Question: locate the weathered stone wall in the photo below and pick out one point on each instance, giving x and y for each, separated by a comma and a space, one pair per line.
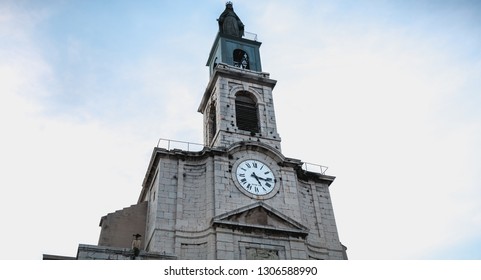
162, 213
118, 228
328, 223
222, 92
193, 189
90, 252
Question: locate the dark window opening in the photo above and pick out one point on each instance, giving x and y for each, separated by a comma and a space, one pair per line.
241, 59
212, 123
246, 113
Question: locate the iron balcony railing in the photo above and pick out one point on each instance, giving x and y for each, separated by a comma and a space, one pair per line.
312, 167
170, 144
250, 36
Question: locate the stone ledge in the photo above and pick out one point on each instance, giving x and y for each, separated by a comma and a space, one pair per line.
92, 252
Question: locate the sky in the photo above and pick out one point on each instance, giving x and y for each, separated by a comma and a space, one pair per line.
384, 93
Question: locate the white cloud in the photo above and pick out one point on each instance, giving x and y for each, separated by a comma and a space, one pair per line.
59, 177
371, 106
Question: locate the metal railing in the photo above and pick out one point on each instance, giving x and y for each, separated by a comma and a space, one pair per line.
170, 144
250, 36
312, 167
182, 145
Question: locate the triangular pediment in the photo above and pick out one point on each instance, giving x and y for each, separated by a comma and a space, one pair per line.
260, 216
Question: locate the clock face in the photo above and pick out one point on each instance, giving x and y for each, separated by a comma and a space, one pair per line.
255, 177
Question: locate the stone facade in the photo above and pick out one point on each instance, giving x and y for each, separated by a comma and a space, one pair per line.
118, 228
192, 205
196, 211
220, 94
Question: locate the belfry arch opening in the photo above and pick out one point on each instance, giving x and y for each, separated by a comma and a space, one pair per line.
246, 111
241, 59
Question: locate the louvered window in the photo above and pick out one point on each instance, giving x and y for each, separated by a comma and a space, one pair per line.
246, 113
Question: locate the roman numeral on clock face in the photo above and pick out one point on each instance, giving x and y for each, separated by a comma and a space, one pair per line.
254, 177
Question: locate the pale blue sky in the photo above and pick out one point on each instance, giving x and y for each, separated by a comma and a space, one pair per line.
385, 93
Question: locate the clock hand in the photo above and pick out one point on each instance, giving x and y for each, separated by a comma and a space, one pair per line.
257, 178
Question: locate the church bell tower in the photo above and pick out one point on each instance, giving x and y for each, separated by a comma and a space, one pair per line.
237, 104
239, 197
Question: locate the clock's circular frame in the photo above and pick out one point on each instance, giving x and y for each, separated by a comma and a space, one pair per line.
255, 178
